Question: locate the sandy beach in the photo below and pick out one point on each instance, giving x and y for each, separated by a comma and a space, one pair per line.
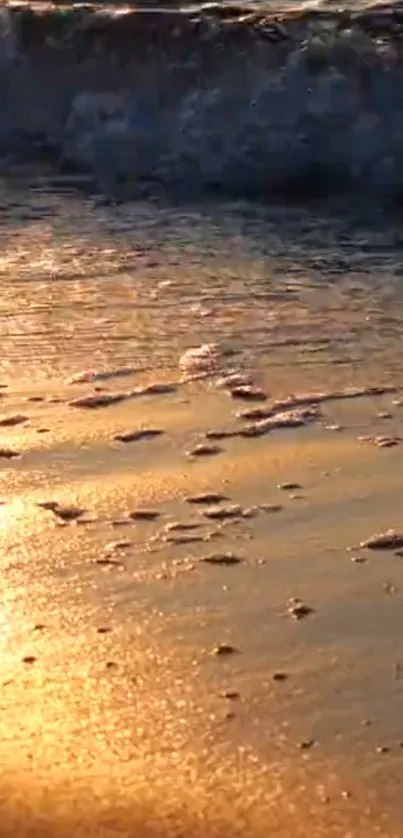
194, 643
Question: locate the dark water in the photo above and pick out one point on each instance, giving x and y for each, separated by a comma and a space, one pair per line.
303, 105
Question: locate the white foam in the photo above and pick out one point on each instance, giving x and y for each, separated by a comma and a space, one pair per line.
200, 358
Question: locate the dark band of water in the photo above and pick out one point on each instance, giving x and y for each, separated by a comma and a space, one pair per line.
225, 98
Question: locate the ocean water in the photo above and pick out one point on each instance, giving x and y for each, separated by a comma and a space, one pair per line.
302, 104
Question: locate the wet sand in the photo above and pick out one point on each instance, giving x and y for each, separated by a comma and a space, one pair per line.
223, 668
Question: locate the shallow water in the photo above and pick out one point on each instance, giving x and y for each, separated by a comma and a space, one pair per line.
127, 730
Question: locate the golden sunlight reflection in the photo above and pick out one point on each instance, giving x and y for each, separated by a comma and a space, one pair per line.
7, 627
5, 515
18, 519
193, 644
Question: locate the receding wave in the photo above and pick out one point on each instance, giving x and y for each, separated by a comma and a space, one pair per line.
230, 99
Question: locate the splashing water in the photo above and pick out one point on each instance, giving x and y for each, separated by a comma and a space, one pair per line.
309, 103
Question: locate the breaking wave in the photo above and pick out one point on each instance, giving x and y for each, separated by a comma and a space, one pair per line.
301, 103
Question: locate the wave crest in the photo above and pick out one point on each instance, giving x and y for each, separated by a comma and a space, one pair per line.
304, 102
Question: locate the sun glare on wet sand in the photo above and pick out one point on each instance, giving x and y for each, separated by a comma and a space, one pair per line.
196, 640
